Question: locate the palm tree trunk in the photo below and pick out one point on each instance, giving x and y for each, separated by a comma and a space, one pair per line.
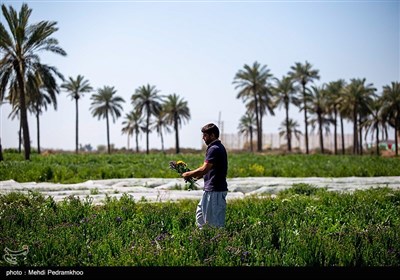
335, 132
38, 130
251, 139
396, 125
137, 141
305, 118
321, 136
147, 131
108, 134
20, 136
355, 131
377, 141
360, 146
1, 151
288, 134
76, 127
24, 117
177, 150
162, 142
261, 131
257, 122
306, 130
342, 132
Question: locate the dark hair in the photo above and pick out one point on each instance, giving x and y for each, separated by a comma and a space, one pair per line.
211, 129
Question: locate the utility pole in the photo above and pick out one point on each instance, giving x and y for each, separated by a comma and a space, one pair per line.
220, 125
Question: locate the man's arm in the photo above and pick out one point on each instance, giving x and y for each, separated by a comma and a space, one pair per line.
199, 172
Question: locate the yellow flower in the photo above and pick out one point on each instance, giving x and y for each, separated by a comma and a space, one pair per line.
181, 167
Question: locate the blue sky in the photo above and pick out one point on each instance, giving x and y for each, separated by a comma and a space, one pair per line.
194, 49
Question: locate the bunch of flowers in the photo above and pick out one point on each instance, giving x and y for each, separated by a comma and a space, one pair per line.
181, 167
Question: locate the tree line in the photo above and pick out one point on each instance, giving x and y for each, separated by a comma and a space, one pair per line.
30, 86
330, 104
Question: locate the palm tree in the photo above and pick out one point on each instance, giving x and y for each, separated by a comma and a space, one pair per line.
177, 112
391, 101
21, 60
105, 103
146, 100
376, 121
319, 107
41, 99
133, 124
266, 104
290, 126
303, 74
40, 91
160, 123
333, 91
354, 100
76, 88
284, 96
247, 126
252, 81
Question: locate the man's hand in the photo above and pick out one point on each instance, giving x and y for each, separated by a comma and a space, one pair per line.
187, 175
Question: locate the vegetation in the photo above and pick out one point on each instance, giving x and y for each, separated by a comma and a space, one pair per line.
324, 106
21, 72
105, 103
73, 168
300, 227
76, 89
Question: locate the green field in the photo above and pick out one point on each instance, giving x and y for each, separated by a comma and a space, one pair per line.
72, 168
300, 227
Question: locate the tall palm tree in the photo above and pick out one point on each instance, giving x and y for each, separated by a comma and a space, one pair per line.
391, 101
266, 104
247, 126
177, 112
252, 82
284, 93
304, 74
105, 103
376, 121
133, 124
333, 91
41, 90
20, 60
40, 101
146, 100
319, 108
290, 126
354, 100
76, 89
160, 123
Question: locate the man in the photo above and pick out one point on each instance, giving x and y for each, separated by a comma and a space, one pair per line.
211, 209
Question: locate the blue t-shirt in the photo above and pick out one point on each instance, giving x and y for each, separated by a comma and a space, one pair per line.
215, 178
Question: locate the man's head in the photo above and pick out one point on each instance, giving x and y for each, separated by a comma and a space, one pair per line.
210, 133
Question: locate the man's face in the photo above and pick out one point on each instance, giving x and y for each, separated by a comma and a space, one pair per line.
207, 138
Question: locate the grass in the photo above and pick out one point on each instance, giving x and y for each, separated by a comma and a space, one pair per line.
301, 227
72, 168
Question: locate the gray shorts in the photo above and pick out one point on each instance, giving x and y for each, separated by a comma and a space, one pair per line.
211, 209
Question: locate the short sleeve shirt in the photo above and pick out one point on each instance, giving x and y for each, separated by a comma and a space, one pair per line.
215, 178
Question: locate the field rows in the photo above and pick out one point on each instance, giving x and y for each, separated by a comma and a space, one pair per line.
166, 189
